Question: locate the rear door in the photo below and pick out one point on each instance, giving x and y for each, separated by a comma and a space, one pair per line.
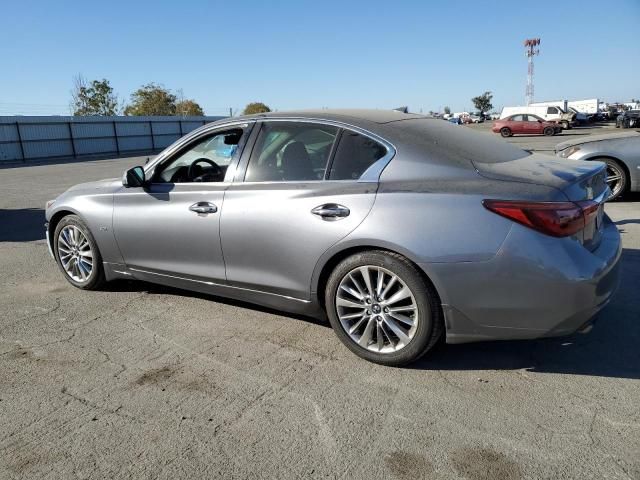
306, 185
518, 124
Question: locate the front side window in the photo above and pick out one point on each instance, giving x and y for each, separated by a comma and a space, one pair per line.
291, 152
552, 110
354, 154
206, 160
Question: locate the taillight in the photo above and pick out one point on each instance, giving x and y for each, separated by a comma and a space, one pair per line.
558, 219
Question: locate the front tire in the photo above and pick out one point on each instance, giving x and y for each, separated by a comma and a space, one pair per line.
77, 254
382, 308
505, 132
617, 177
548, 131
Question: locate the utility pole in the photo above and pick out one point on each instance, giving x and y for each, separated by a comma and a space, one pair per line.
530, 50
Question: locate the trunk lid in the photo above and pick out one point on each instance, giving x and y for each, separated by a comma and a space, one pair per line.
577, 180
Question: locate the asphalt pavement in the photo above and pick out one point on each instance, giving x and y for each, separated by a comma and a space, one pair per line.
141, 381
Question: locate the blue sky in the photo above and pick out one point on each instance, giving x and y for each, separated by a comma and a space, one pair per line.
308, 54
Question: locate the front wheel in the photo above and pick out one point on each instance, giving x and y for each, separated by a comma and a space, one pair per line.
382, 308
616, 177
549, 131
565, 126
77, 254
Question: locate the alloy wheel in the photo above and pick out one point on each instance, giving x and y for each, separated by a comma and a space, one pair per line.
74, 251
615, 179
377, 309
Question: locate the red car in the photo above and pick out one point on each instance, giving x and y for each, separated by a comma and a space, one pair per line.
525, 123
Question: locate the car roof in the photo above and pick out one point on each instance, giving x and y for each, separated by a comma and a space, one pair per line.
343, 115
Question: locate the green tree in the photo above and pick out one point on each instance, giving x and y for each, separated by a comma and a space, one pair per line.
256, 107
151, 100
186, 108
94, 98
483, 102
447, 110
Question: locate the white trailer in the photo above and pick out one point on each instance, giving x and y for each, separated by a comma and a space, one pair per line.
589, 106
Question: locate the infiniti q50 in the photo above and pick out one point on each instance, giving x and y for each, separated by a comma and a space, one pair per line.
400, 229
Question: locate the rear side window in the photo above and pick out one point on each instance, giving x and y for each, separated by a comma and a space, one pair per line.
291, 152
354, 154
517, 118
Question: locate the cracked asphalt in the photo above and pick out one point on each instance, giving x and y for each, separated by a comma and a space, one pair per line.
141, 381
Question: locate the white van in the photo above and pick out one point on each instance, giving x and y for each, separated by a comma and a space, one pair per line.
550, 113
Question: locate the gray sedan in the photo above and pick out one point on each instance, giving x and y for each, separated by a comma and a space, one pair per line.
621, 153
400, 229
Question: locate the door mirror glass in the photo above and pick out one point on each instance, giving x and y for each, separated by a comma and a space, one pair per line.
134, 177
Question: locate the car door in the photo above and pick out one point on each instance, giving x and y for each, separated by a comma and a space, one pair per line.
171, 227
517, 124
306, 186
530, 124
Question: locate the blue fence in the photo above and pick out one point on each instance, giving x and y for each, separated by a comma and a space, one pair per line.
35, 138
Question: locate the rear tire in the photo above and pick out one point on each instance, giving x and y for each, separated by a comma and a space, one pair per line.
548, 131
77, 255
366, 318
505, 132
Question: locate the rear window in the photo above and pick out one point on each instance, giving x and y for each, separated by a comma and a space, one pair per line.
355, 153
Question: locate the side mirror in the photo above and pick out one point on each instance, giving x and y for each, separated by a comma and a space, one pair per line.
134, 177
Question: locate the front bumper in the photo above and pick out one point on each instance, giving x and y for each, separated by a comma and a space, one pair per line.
46, 232
536, 286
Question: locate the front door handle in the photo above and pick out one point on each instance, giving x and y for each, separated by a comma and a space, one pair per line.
203, 208
331, 211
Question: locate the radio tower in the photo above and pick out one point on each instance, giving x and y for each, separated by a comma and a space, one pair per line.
530, 50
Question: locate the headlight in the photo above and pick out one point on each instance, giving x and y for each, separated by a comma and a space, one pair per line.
567, 152
49, 204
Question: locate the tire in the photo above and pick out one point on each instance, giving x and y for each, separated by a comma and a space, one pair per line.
505, 132
73, 249
422, 308
620, 187
565, 126
548, 131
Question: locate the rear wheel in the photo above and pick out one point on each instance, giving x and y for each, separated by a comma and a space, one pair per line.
382, 308
548, 131
505, 132
77, 254
617, 177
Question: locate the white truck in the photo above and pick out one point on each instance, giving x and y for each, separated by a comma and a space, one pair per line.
550, 113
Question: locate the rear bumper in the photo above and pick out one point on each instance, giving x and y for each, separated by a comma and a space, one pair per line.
536, 286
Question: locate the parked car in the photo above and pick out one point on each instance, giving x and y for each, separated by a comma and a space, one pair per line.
621, 153
548, 113
400, 228
628, 119
476, 118
455, 120
525, 124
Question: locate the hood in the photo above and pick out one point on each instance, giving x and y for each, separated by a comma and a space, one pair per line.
595, 138
108, 185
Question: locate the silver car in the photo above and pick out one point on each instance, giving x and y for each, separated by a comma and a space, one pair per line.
621, 153
399, 228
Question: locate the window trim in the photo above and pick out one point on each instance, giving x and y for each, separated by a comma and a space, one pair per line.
370, 175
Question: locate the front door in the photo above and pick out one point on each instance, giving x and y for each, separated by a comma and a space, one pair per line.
302, 193
171, 228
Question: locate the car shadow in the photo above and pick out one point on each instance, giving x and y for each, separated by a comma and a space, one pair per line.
610, 349
123, 285
22, 225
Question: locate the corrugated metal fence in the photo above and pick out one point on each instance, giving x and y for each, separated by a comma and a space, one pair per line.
30, 138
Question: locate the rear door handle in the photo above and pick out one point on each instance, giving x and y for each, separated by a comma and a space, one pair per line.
331, 211
203, 208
